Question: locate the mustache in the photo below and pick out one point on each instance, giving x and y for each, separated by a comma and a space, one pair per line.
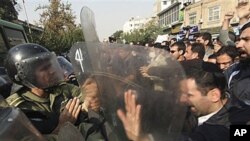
241, 51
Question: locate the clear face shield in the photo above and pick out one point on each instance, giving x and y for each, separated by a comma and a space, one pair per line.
66, 66
117, 68
41, 71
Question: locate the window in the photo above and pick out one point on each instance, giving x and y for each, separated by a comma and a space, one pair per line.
137, 25
171, 16
172, 1
164, 2
15, 37
214, 13
2, 45
192, 18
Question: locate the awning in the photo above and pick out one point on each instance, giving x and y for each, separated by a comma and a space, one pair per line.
176, 29
212, 30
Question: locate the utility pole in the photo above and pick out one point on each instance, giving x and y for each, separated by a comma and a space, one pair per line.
27, 19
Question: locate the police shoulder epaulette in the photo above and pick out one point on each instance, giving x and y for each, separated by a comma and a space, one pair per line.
15, 100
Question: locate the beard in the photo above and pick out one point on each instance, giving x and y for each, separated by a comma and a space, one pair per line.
243, 55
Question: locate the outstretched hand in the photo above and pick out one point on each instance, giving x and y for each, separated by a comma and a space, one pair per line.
131, 119
69, 114
71, 111
144, 71
92, 100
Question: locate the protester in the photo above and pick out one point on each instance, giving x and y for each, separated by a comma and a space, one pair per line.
205, 38
177, 50
226, 56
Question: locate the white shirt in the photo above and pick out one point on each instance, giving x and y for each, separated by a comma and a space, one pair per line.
203, 119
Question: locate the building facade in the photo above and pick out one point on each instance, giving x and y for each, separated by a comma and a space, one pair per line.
208, 15
135, 23
171, 17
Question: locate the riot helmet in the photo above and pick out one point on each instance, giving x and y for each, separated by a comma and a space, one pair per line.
66, 66
33, 66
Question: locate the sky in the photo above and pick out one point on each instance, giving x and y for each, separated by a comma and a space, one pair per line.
110, 15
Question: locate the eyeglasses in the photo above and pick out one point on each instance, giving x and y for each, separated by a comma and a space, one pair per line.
173, 51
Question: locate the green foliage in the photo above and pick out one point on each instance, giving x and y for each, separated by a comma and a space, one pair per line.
117, 34
60, 31
144, 35
7, 10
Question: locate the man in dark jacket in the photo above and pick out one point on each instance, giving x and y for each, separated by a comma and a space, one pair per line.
238, 75
207, 96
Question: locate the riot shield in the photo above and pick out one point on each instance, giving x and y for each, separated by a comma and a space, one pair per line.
5, 83
69, 133
150, 72
88, 25
16, 127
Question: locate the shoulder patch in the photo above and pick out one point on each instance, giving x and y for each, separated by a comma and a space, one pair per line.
15, 100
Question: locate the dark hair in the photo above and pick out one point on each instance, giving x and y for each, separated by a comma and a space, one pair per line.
206, 36
247, 25
231, 51
174, 39
212, 56
198, 48
206, 75
181, 46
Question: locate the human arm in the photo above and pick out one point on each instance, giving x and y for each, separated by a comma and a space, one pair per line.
224, 35
92, 97
69, 114
131, 118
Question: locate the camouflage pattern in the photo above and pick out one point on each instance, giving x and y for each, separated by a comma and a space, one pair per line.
49, 110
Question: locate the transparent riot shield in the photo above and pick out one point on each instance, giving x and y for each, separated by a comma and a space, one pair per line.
16, 127
69, 133
88, 25
150, 72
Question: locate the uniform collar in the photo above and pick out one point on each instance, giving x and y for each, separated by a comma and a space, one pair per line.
29, 96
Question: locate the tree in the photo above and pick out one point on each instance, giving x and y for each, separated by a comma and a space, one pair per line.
143, 35
7, 10
60, 31
117, 34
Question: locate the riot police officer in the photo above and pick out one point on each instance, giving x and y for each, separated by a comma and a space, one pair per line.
47, 100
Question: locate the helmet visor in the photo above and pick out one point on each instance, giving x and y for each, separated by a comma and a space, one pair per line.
42, 71
66, 66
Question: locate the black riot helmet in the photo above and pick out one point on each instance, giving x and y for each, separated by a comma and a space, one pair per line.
33, 66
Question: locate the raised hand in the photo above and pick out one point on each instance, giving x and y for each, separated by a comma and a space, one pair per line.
92, 100
144, 71
70, 113
228, 16
131, 119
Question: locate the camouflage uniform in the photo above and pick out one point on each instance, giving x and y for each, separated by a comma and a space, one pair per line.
44, 112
